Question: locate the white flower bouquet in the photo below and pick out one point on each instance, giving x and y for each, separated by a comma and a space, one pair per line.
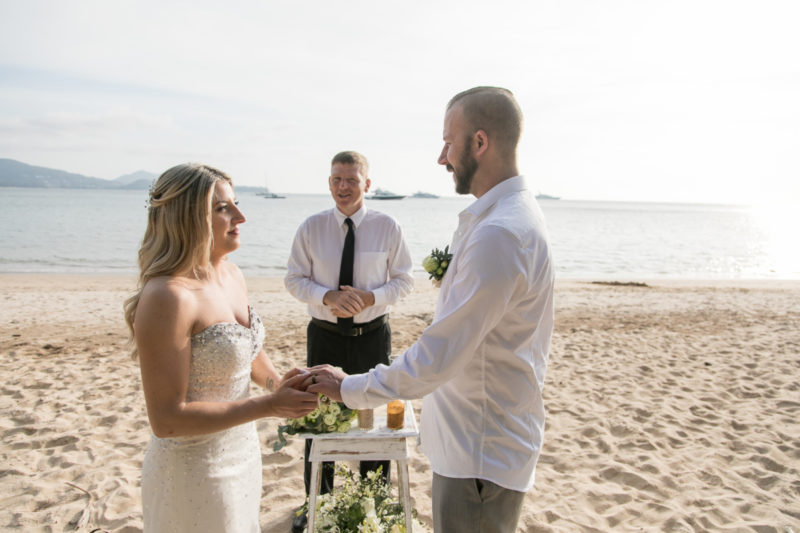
437, 262
328, 417
363, 505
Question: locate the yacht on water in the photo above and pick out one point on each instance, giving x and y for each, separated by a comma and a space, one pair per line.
420, 194
381, 194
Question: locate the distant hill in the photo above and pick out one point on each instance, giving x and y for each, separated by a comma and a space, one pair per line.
17, 174
138, 176
141, 185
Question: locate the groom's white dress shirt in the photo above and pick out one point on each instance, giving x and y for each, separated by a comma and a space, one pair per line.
382, 262
480, 366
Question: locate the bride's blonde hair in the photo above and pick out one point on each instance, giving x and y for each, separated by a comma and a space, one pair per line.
178, 238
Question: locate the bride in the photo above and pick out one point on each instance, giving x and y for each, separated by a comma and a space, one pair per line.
199, 345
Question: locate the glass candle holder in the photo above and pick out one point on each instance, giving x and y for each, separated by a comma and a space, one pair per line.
365, 418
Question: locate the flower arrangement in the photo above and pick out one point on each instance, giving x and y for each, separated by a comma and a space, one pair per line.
328, 417
437, 262
363, 505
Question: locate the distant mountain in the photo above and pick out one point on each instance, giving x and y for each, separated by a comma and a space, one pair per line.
140, 185
139, 175
16, 174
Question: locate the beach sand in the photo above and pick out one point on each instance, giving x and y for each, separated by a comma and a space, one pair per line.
672, 407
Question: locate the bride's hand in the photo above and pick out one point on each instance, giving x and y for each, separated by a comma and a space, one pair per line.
300, 384
289, 402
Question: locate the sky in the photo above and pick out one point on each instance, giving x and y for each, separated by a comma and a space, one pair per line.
641, 100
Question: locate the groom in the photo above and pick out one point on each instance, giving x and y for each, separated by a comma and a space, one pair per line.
480, 366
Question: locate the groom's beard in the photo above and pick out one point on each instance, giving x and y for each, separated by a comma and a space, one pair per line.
468, 165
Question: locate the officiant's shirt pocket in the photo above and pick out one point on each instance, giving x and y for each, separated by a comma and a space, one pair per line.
370, 269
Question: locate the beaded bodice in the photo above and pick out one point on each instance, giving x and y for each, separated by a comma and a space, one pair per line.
222, 355
211, 482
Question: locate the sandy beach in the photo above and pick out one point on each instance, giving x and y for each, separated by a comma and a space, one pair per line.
672, 407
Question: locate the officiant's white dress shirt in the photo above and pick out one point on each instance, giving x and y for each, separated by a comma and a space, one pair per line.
480, 365
381, 264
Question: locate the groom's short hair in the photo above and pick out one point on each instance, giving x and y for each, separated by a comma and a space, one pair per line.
493, 110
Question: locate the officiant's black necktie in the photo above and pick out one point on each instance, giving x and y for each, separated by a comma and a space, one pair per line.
346, 270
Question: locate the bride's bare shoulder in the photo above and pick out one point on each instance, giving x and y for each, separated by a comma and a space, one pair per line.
169, 293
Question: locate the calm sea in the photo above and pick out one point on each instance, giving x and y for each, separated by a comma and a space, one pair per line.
98, 231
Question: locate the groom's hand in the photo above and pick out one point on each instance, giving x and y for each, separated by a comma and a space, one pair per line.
327, 380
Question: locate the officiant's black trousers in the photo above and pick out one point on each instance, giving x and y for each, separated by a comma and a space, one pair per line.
355, 355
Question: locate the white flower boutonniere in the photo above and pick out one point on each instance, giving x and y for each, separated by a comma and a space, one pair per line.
436, 264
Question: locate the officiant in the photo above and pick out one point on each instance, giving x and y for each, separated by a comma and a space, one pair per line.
349, 264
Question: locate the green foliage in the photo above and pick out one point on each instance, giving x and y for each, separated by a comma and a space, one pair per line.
328, 417
437, 262
359, 504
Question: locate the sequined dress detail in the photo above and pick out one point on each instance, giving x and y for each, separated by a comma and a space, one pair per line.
209, 483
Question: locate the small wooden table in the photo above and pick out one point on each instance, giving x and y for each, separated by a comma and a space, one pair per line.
377, 444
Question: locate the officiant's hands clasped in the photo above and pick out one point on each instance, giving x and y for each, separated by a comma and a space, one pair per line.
348, 301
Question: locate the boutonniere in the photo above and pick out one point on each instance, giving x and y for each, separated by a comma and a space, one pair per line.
436, 264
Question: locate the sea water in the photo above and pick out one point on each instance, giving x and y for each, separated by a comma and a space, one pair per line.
99, 231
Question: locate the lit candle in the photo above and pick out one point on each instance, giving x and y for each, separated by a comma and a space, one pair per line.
395, 413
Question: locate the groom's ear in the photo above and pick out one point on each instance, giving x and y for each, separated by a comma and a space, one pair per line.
481, 141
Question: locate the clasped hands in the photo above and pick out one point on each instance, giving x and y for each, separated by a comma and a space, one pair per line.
294, 396
297, 392
348, 301
320, 379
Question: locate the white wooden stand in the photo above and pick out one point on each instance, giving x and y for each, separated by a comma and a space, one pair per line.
376, 444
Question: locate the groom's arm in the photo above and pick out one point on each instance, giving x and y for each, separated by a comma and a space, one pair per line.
492, 269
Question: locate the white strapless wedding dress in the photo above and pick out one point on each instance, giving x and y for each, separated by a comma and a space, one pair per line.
209, 483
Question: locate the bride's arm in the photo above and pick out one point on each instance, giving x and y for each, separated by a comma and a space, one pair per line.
263, 372
162, 330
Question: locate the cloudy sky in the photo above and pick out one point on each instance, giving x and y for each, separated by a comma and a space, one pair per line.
647, 100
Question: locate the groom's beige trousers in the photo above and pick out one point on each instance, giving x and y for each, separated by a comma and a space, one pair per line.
474, 506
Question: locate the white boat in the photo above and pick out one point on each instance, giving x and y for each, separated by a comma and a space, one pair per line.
381, 194
420, 194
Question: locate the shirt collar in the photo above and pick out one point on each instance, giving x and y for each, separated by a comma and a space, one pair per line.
356, 217
504, 188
